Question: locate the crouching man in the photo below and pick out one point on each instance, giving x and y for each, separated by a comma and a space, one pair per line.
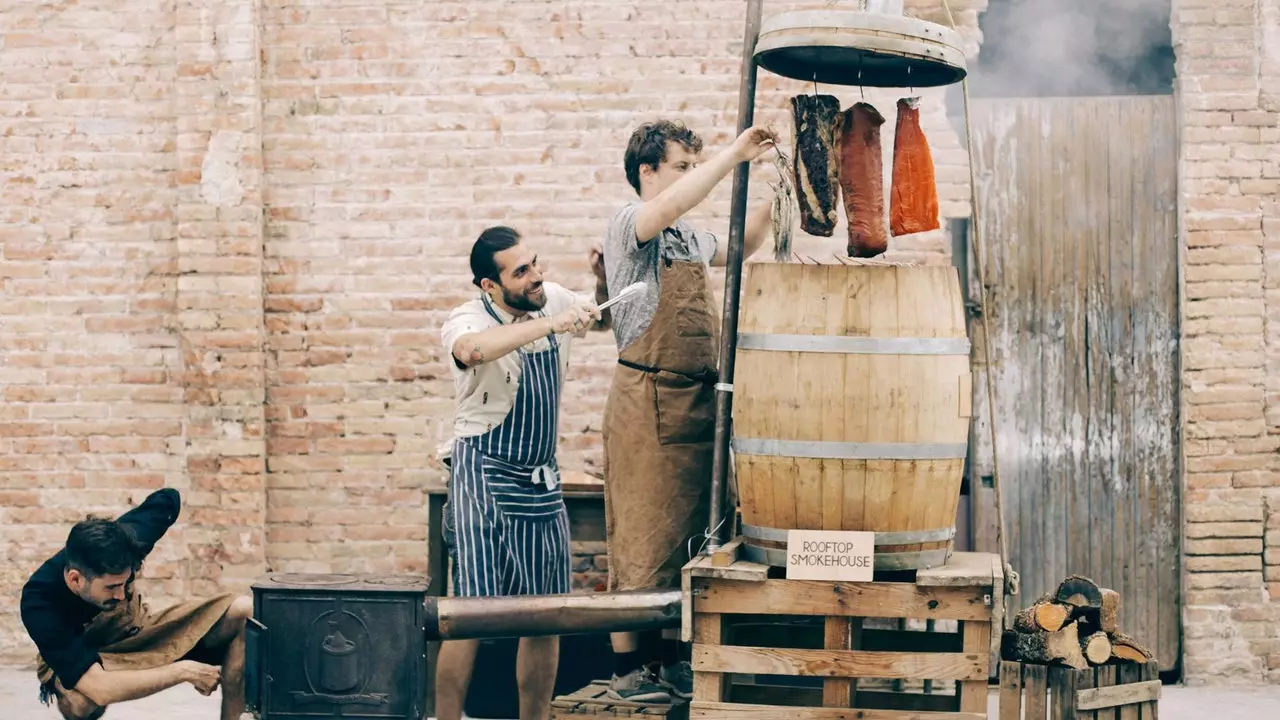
98, 641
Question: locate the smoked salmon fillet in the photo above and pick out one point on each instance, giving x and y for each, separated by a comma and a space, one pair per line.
862, 180
913, 199
816, 162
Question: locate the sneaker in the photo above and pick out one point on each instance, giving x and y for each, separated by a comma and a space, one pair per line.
638, 686
678, 679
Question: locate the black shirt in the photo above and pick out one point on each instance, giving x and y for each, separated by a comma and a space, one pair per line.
55, 617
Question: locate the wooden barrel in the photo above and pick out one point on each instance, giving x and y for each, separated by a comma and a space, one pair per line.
851, 407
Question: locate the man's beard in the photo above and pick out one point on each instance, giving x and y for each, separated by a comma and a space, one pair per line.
523, 303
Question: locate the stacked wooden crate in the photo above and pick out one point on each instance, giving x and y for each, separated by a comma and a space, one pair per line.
822, 683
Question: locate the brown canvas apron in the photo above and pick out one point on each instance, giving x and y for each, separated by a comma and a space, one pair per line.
130, 637
659, 428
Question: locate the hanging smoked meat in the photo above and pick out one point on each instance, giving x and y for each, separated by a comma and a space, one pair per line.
816, 162
913, 200
862, 180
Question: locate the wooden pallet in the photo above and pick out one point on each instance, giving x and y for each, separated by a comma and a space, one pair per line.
820, 659
592, 701
1110, 692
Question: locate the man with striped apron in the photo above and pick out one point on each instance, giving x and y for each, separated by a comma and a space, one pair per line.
506, 522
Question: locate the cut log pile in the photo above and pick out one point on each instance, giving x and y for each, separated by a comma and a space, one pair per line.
1078, 626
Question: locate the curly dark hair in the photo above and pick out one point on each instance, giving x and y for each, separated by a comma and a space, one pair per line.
99, 546
648, 146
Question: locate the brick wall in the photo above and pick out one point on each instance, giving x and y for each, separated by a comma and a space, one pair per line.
231, 231
1229, 84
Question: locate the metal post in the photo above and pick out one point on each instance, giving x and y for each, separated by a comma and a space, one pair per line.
732, 282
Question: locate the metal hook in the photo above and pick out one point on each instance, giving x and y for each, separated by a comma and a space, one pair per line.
815, 82
910, 88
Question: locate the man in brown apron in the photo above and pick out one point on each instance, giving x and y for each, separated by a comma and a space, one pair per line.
99, 644
660, 416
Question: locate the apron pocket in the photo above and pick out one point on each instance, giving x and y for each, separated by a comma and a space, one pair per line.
693, 320
685, 409
514, 495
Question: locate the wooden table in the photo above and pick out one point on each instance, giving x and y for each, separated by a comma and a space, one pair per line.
584, 498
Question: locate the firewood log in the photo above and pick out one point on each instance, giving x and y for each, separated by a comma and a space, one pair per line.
1096, 648
1080, 592
1044, 614
1109, 613
1126, 649
1045, 648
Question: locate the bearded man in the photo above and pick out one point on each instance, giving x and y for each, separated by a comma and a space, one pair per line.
506, 523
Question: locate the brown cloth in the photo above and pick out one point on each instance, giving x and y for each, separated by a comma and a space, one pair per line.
130, 637
659, 432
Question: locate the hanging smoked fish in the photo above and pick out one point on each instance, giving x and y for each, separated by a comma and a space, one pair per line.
913, 201
784, 207
816, 157
862, 180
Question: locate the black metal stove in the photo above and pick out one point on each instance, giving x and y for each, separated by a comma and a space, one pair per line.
337, 646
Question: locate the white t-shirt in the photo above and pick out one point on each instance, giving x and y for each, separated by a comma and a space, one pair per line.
484, 394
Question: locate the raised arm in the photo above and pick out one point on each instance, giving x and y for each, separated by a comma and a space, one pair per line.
692, 188
477, 348
758, 227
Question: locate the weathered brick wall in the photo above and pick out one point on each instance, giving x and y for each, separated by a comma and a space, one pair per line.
1229, 82
231, 231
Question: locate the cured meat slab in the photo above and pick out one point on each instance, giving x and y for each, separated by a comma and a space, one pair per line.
862, 180
816, 161
913, 199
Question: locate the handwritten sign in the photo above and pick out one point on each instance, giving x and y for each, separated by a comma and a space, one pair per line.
842, 556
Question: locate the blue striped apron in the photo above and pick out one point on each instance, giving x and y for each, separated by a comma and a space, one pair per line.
510, 529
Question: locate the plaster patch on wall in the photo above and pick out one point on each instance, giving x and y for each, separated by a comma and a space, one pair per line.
220, 172
1269, 52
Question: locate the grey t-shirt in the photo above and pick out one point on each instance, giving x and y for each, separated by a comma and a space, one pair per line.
626, 262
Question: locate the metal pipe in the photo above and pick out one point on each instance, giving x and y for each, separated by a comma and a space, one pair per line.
732, 283
472, 618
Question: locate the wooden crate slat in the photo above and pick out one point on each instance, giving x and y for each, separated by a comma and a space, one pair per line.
735, 711
1035, 680
1126, 674
1010, 691
839, 663
812, 597
1149, 672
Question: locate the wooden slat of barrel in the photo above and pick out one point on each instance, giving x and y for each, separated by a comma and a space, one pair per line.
906, 400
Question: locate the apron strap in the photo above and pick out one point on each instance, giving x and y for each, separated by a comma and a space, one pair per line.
706, 376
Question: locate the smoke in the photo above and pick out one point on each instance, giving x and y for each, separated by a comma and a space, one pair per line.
1042, 48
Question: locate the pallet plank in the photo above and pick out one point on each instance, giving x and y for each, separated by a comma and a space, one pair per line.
812, 597
716, 711
977, 643
838, 691
711, 686
839, 663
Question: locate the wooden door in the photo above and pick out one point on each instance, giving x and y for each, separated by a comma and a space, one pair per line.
1077, 208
